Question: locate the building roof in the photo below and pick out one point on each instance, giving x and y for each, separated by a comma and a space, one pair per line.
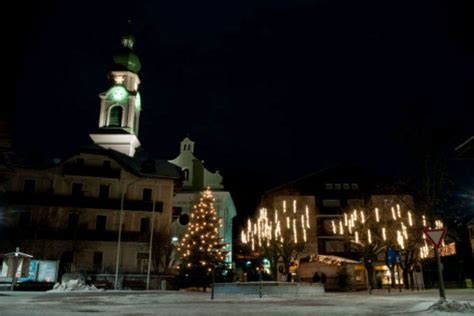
331, 259
466, 149
308, 184
141, 164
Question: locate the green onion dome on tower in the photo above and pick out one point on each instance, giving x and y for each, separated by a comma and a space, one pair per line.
125, 57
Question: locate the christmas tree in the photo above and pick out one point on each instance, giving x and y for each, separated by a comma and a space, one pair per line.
200, 249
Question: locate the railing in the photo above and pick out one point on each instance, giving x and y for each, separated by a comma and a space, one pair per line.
87, 269
35, 233
48, 199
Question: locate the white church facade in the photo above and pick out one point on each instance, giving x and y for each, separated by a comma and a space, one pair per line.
196, 179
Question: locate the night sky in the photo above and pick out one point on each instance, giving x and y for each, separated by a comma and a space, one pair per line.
268, 90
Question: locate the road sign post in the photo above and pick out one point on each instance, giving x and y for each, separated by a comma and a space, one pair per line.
436, 236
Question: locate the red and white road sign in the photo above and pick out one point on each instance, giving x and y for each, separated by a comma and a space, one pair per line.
436, 235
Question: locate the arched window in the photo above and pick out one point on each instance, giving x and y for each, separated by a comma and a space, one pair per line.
115, 116
186, 174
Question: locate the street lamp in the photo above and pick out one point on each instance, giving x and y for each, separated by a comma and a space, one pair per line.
124, 189
151, 240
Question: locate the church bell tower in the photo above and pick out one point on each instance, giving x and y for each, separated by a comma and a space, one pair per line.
120, 105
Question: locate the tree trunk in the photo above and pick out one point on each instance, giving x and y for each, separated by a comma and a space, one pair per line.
406, 283
412, 279
392, 276
370, 277
274, 268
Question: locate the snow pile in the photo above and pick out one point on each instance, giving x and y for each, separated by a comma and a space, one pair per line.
452, 306
74, 286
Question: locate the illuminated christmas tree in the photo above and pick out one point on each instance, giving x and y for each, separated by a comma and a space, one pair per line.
200, 249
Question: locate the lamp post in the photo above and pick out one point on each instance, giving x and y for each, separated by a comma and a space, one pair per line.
117, 261
151, 240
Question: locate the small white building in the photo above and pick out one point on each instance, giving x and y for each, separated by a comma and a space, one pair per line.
196, 179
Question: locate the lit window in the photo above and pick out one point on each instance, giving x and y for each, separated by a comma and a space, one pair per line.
355, 186
328, 186
346, 186
337, 186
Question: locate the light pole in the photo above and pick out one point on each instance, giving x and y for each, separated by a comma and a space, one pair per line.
124, 189
151, 240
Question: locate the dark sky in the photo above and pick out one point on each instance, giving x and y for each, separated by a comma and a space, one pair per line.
269, 90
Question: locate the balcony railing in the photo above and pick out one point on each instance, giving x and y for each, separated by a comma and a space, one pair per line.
34, 232
54, 200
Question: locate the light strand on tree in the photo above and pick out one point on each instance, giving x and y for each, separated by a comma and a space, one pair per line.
294, 231
263, 230
404, 233
307, 217
197, 248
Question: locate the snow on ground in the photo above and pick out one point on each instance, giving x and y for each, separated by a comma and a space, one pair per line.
197, 303
74, 286
452, 306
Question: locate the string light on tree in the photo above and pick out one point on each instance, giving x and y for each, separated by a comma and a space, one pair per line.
402, 228
280, 236
201, 249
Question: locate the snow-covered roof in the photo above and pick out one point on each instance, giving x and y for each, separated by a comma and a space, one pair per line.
331, 259
18, 254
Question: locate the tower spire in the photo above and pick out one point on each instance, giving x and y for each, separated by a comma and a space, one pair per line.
128, 40
121, 103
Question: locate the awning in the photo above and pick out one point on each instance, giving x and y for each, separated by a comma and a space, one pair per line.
334, 260
17, 254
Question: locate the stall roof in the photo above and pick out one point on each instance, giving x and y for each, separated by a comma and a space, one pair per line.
330, 259
17, 254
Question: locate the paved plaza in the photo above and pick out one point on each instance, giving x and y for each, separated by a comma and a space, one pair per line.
198, 303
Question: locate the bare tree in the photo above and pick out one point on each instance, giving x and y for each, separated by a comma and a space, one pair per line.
278, 235
373, 228
163, 250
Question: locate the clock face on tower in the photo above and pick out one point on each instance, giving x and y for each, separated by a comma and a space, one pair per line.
117, 93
